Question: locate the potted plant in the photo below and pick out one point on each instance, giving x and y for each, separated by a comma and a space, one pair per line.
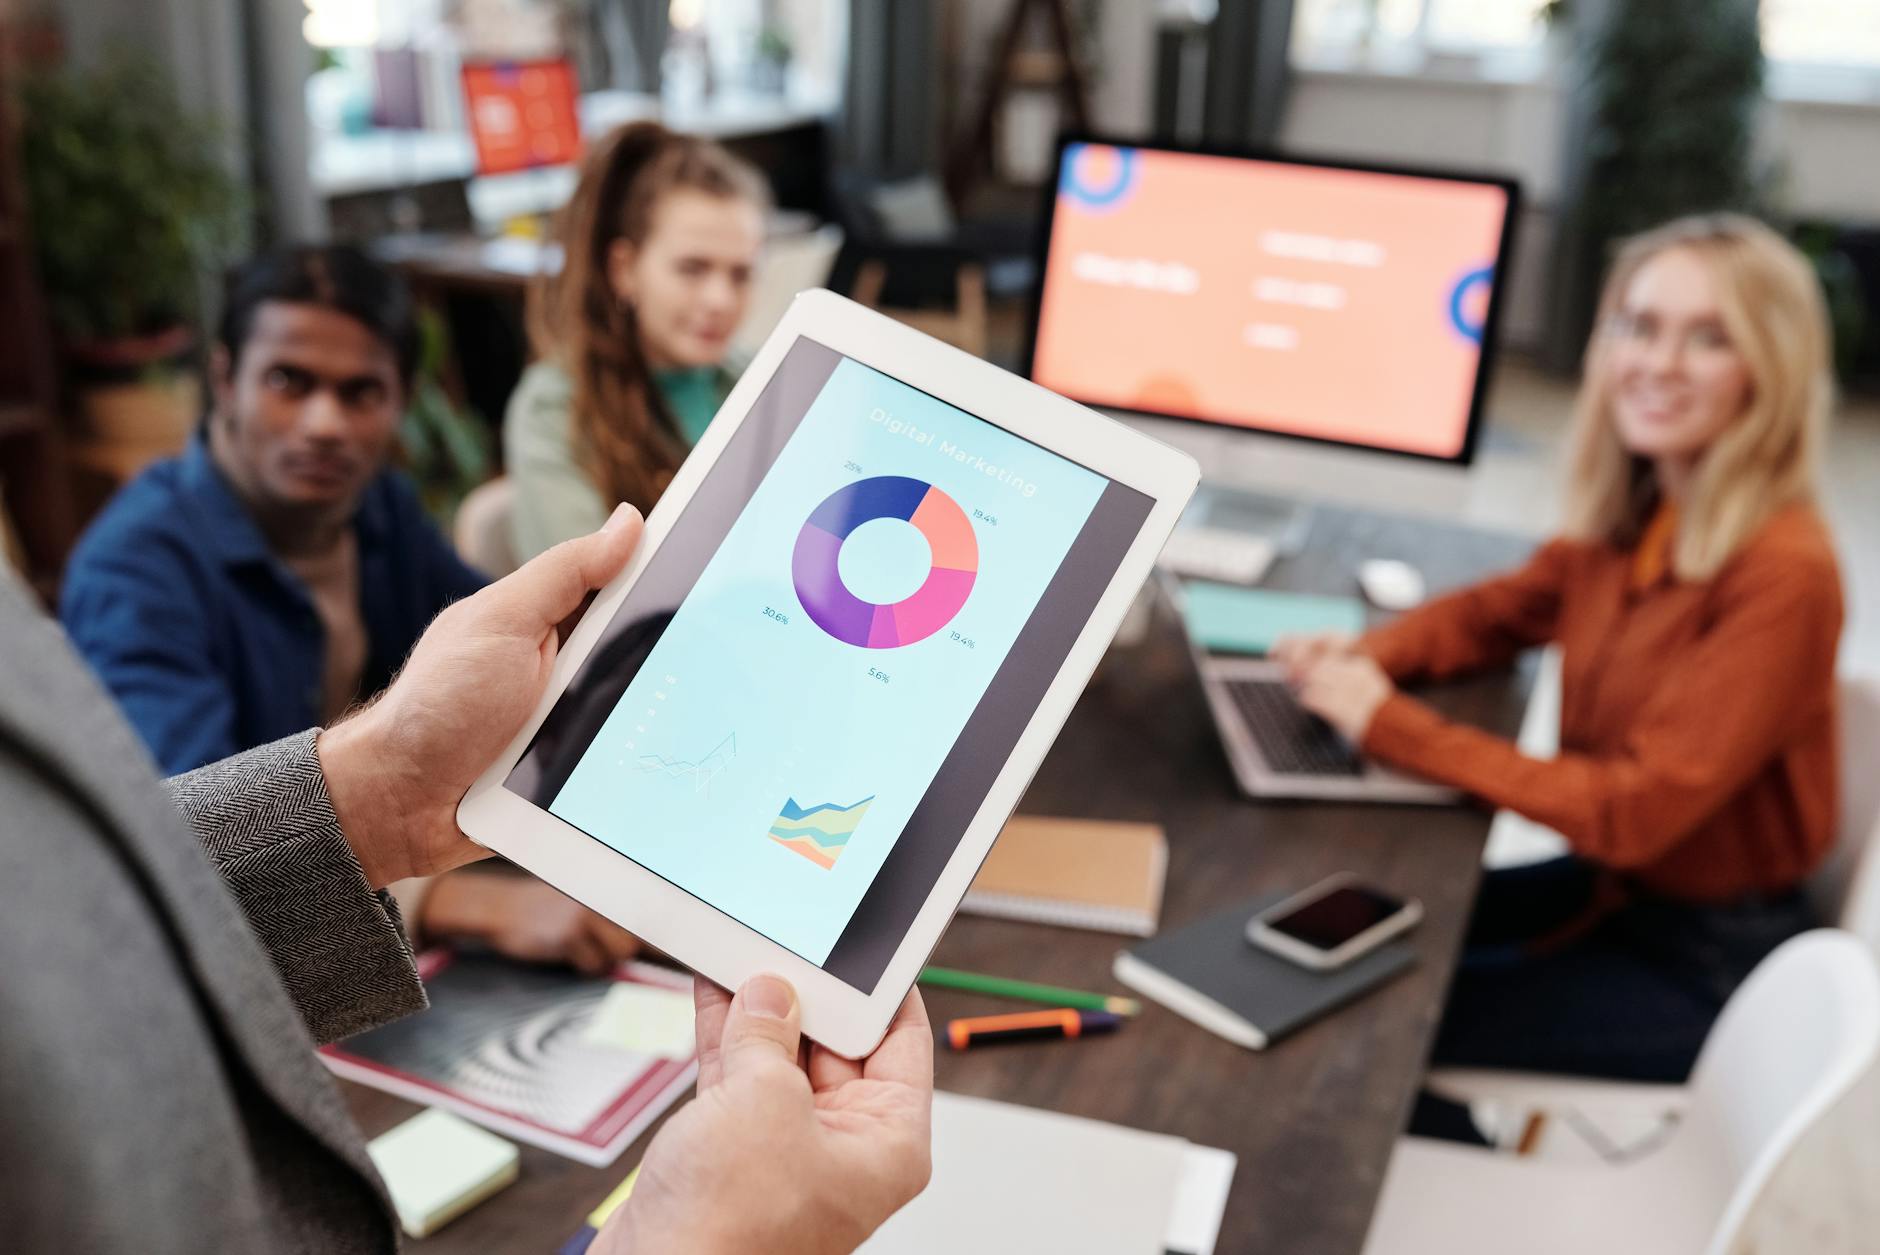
1669, 92
134, 214
770, 64
444, 447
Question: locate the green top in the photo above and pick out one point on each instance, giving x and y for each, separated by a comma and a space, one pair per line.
554, 499
692, 398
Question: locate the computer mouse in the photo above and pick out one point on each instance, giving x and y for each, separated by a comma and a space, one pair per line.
1389, 584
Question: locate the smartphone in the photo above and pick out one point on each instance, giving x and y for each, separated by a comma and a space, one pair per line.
1335, 921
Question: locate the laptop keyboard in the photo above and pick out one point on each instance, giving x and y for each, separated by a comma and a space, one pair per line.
1292, 739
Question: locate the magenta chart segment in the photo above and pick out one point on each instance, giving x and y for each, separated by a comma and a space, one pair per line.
876, 625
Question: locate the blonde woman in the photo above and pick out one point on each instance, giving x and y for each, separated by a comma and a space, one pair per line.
660, 242
1697, 602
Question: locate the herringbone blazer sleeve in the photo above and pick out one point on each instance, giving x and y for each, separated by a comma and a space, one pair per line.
265, 820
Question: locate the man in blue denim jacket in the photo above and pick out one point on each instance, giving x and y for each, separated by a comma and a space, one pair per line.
278, 571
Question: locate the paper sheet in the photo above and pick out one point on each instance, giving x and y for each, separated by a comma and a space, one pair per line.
1010, 1178
1200, 1200
644, 1020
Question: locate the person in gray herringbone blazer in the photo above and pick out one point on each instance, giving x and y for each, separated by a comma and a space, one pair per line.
158, 1087
158, 1009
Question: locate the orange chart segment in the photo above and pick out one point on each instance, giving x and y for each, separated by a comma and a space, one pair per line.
948, 531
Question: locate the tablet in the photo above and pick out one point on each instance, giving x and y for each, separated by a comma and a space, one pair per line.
785, 737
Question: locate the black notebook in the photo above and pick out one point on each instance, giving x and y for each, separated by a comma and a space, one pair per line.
1211, 974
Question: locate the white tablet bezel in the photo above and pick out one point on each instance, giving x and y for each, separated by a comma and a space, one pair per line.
848, 1020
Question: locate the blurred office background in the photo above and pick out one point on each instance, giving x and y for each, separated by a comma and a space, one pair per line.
145, 144
925, 121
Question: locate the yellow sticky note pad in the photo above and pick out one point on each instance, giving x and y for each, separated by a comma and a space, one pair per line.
644, 1019
611, 1203
437, 1166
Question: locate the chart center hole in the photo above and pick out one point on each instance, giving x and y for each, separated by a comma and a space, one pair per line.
884, 561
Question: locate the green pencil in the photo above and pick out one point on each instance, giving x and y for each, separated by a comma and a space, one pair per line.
1025, 991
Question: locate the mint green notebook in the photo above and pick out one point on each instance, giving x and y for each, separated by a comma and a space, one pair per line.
1226, 619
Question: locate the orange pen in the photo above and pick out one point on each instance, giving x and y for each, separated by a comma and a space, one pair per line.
1029, 1026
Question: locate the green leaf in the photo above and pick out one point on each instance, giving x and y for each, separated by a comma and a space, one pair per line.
133, 211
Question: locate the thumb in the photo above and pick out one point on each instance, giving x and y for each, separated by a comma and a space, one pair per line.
765, 1023
551, 586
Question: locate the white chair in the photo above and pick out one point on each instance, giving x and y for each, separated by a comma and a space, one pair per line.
791, 264
481, 529
1846, 891
1796, 1038
1514, 839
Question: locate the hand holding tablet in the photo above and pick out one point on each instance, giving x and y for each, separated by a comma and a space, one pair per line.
397, 768
786, 736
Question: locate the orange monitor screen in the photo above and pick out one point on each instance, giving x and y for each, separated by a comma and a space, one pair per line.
1310, 300
522, 115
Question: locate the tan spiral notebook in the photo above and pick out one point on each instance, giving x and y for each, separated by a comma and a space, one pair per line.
1078, 873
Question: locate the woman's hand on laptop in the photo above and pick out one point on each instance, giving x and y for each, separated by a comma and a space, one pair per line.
397, 768
785, 1151
1300, 652
1345, 690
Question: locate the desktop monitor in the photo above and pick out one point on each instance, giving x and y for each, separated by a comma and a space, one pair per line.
522, 115
1340, 309
525, 122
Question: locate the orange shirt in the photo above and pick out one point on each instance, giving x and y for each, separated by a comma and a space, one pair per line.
1697, 727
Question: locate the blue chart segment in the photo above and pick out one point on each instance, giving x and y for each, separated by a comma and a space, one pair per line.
834, 608
819, 833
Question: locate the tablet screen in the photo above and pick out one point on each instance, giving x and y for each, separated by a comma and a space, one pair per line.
805, 697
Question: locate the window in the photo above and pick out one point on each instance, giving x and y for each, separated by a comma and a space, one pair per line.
1499, 24
1407, 32
1822, 32
787, 48
1826, 46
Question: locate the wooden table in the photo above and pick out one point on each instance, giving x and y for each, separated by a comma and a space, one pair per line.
1313, 1119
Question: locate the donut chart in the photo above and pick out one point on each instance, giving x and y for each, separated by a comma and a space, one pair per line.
877, 625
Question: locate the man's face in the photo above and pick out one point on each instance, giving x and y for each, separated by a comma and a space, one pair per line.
305, 416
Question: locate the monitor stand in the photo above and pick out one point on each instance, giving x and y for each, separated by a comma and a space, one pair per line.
1283, 522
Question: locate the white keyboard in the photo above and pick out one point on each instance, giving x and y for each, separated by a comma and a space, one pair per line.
1211, 553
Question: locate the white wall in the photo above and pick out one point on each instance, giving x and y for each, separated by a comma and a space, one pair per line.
1829, 153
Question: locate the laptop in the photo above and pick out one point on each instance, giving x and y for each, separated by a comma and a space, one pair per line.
1279, 749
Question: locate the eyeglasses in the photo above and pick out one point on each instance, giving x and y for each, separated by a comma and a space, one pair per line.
1649, 331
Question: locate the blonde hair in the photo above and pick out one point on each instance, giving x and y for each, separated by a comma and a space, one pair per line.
1776, 319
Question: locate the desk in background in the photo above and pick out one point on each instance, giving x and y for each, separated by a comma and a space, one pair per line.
1313, 1119
362, 177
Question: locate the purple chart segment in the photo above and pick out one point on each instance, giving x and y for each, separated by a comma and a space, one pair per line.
826, 599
